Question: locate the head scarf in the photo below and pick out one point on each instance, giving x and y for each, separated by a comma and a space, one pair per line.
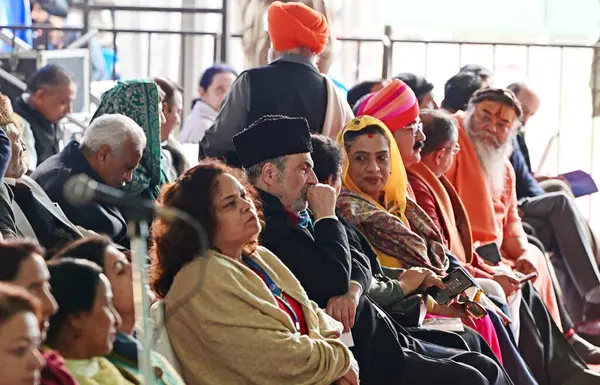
394, 197
395, 105
400, 231
295, 25
139, 100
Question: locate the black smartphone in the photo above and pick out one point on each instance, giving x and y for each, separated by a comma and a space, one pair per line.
456, 282
525, 278
490, 253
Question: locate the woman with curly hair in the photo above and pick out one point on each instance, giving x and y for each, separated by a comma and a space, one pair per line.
236, 314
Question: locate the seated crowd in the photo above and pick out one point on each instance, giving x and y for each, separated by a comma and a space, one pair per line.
330, 226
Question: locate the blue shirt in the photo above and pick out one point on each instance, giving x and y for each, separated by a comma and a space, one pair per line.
527, 186
16, 12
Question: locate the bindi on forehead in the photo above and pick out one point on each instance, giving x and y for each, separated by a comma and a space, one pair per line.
370, 136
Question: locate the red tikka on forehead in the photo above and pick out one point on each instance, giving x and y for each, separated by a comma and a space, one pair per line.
500, 112
370, 136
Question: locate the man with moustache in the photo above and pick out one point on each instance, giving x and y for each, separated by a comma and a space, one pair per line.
314, 245
485, 181
439, 199
397, 106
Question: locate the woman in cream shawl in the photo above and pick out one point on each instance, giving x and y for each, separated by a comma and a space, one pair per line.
235, 314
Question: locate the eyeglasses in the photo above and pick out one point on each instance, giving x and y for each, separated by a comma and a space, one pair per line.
455, 149
489, 120
415, 128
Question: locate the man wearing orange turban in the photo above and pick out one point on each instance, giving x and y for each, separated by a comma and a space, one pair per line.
294, 25
290, 85
255, 37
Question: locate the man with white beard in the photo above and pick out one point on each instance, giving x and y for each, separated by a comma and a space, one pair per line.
485, 181
485, 184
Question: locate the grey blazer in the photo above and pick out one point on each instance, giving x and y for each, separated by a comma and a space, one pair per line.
22, 227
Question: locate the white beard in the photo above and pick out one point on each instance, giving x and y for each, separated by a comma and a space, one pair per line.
492, 158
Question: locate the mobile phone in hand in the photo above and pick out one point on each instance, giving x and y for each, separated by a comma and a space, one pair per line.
456, 282
490, 253
528, 277
475, 310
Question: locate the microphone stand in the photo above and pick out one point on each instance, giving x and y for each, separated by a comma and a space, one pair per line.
138, 233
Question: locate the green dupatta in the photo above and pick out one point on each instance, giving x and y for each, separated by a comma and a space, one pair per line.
139, 100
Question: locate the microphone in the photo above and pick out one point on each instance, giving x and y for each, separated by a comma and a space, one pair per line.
81, 190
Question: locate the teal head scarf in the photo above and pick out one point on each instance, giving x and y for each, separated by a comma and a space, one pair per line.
139, 100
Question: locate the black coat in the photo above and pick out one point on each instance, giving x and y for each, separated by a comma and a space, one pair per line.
47, 135
324, 263
101, 218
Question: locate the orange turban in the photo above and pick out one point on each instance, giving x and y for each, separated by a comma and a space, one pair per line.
295, 25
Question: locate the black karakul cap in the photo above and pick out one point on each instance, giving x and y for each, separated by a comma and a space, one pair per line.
272, 136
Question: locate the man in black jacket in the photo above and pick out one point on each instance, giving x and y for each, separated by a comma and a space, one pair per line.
290, 85
110, 150
275, 150
50, 93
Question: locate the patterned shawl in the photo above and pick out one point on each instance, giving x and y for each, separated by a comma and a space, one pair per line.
139, 100
402, 234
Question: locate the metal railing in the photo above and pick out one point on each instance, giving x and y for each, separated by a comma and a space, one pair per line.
379, 56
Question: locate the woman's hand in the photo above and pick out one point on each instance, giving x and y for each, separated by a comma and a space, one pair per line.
508, 283
453, 310
415, 277
343, 307
351, 376
524, 266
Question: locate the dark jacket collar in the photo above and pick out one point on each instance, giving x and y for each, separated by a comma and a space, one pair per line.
297, 59
26, 111
272, 206
274, 211
72, 157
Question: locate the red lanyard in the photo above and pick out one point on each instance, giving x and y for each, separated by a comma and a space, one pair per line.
275, 290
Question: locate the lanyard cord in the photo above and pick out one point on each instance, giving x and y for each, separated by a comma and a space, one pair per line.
275, 290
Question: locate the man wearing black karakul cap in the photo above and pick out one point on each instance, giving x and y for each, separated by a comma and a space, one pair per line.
276, 154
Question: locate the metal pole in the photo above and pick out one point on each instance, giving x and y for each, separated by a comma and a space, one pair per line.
11, 39
83, 40
138, 234
357, 72
86, 16
387, 52
149, 67
226, 30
